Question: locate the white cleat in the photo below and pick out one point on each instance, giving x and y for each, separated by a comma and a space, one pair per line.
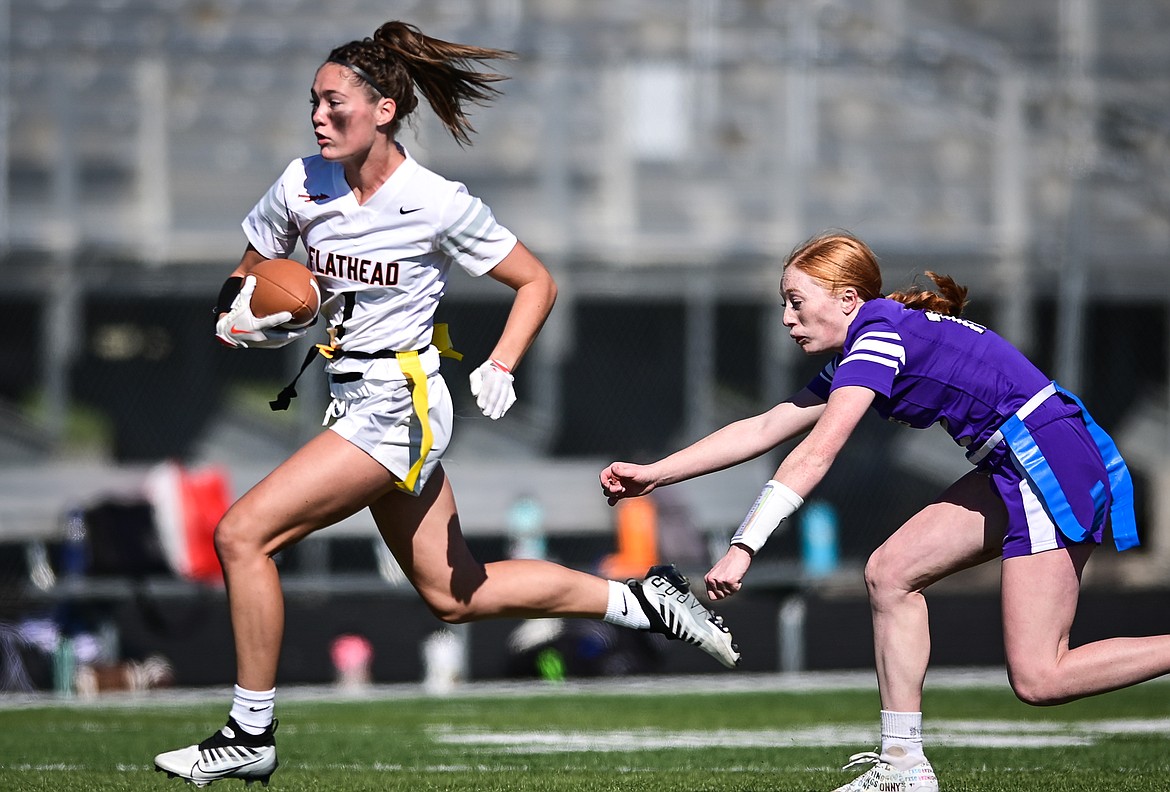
884, 777
229, 753
674, 611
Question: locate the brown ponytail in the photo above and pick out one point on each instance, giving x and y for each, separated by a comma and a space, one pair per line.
949, 300
399, 57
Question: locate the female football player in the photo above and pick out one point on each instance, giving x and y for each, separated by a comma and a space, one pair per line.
1045, 482
381, 233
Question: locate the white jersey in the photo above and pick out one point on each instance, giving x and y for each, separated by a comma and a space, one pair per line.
382, 266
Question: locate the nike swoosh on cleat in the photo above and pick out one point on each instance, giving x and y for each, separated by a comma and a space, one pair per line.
223, 773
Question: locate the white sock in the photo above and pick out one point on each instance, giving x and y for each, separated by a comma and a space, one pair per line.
253, 709
902, 738
623, 608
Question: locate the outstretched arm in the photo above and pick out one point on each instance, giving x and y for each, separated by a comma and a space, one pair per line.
808, 463
796, 477
735, 443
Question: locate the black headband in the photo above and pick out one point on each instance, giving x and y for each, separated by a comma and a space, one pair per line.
363, 74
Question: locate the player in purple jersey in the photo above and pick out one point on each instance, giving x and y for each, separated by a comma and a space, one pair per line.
1045, 483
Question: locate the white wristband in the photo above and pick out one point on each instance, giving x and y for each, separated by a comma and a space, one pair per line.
774, 505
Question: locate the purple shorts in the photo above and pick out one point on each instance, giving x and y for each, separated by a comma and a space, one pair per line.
1070, 452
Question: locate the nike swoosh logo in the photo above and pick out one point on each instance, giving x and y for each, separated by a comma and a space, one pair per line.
625, 607
257, 709
404, 210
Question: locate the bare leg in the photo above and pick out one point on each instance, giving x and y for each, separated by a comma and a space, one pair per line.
423, 533
1040, 594
961, 529
290, 503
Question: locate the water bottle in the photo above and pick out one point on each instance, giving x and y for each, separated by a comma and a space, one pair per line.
818, 538
74, 550
526, 530
64, 667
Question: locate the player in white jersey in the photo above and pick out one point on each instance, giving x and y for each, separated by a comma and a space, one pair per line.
381, 233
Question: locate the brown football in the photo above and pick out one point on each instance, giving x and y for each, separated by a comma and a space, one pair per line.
285, 285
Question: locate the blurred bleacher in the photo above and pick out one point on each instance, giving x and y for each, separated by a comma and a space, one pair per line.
661, 156
670, 133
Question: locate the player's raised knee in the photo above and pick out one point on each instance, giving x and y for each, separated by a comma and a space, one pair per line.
237, 538
882, 575
230, 539
449, 609
1037, 687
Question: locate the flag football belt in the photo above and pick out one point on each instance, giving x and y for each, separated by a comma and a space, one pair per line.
1043, 481
440, 340
412, 370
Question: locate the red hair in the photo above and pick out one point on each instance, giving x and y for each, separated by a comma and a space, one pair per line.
837, 260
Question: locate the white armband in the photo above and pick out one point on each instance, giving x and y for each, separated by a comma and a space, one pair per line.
775, 504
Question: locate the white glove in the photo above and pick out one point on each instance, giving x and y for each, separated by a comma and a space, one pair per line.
491, 385
239, 328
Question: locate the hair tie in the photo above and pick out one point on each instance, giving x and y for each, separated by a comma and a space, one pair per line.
360, 72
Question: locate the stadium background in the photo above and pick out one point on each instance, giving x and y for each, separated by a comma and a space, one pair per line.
661, 157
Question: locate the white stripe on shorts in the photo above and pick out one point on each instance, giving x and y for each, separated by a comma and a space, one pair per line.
1041, 529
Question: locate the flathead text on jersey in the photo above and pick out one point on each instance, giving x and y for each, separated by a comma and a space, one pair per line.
339, 265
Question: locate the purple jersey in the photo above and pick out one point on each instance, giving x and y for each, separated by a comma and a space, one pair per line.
1058, 480
928, 368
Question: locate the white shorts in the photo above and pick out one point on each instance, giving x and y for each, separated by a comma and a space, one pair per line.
378, 417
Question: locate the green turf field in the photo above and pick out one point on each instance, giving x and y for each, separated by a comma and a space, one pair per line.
673, 736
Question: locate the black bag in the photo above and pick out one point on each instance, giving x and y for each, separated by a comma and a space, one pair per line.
122, 540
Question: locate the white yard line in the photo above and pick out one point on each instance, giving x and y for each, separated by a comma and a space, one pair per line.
958, 734
730, 682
